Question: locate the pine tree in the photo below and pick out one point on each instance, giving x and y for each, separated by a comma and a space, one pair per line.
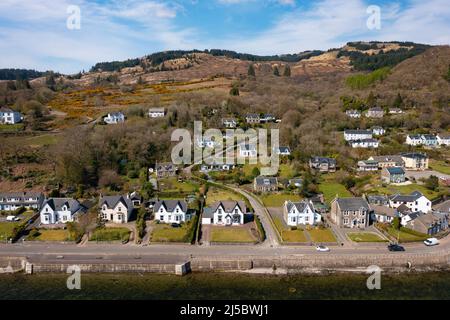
251, 71
287, 71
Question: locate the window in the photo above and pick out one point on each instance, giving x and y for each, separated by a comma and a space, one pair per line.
294, 219
307, 219
161, 217
119, 217
346, 221
219, 218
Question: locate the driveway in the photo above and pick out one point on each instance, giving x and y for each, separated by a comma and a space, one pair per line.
425, 174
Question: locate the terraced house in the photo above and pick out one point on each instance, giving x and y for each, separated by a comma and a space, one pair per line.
225, 213
350, 212
300, 213
11, 201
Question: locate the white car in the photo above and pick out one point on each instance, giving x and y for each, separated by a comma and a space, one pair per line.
431, 242
322, 249
12, 218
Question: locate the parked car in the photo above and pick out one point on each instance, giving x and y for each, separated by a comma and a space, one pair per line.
322, 249
175, 225
12, 218
395, 247
431, 242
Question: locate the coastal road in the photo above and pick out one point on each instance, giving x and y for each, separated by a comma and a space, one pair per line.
131, 253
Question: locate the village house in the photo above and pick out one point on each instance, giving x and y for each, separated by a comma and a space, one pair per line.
375, 112
367, 165
116, 209
429, 140
388, 161
365, 143
395, 111
415, 161
300, 213
296, 182
114, 118
429, 224
443, 139
265, 184
217, 167
378, 131
11, 201
247, 150
268, 118
355, 114
205, 142
225, 213
378, 200
283, 151
350, 212
135, 198
165, 170
383, 214
229, 123
156, 112
415, 202
172, 211
323, 164
252, 118
353, 135
9, 116
60, 210
393, 175
414, 139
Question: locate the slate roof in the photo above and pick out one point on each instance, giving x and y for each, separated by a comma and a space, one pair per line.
395, 170
301, 205
157, 109
414, 155
264, 181
352, 204
170, 205
228, 206
407, 198
358, 132
388, 158
112, 201
383, 210
57, 203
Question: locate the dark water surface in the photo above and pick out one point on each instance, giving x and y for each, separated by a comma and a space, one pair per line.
225, 286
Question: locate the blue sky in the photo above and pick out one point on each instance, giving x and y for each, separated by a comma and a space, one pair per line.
33, 33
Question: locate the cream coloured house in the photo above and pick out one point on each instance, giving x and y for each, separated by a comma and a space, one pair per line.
116, 209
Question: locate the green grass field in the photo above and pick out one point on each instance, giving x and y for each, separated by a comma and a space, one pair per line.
7, 228
404, 236
331, 189
365, 237
216, 194
110, 234
440, 166
173, 185
232, 235
277, 200
11, 127
166, 233
51, 235
288, 235
389, 190
321, 235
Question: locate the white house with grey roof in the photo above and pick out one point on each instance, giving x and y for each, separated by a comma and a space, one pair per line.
156, 112
300, 213
9, 116
443, 139
283, 151
350, 212
247, 150
60, 210
11, 201
172, 211
415, 202
116, 209
114, 118
265, 184
354, 135
225, 213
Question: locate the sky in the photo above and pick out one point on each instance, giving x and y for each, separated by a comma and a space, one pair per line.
34, 34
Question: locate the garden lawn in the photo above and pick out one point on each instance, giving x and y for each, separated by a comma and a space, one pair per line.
52, 235
331, 189
111, 234
321, 235
6, 228
173, 185
231, 234
166, 233
277, 200
217, 194
288, 235
365, 237
286, 171
440, 166
404, 236
389, 190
